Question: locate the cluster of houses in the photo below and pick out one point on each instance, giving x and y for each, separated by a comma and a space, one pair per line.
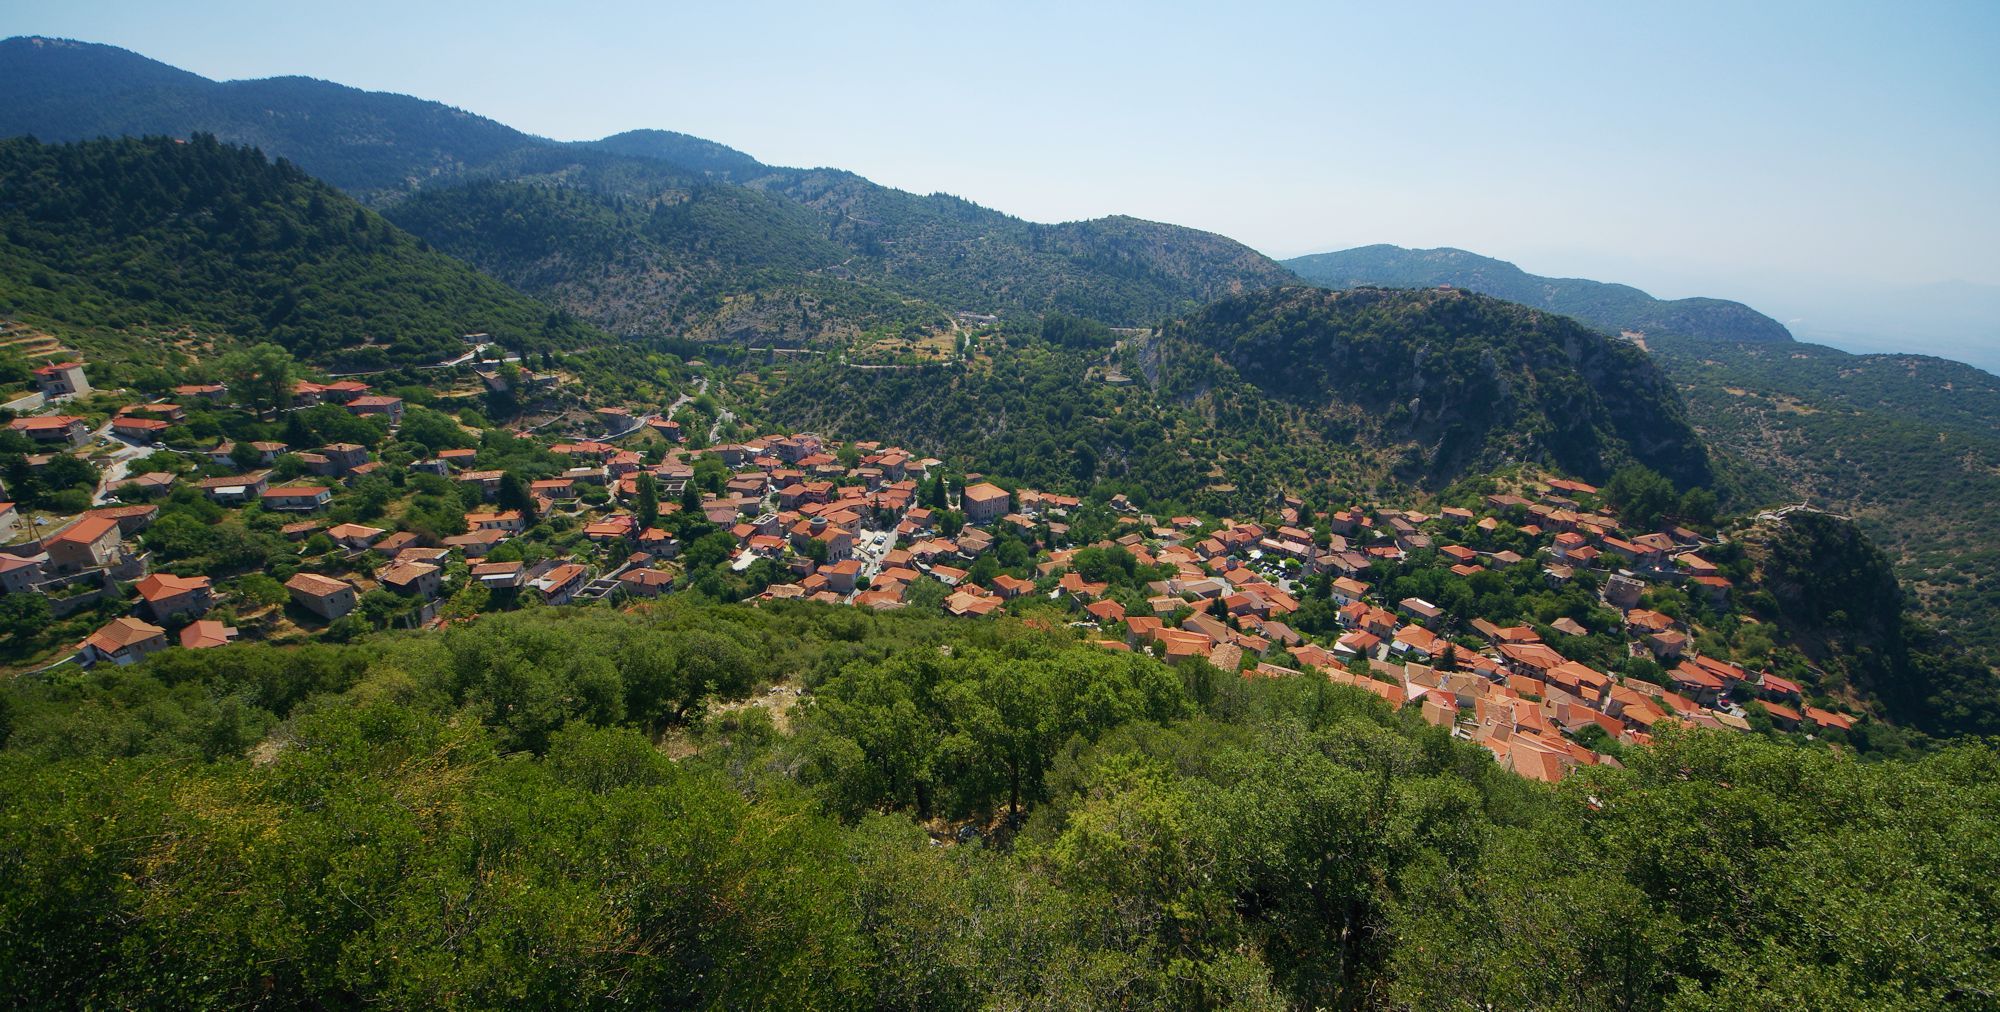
94, 558
852, 531
1502, 687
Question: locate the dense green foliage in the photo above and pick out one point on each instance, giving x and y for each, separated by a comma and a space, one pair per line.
965, 257
828, 255
1608, 306
709, 259
199, 241
475, 819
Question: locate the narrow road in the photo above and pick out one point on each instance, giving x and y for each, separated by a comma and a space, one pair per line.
637, 424
702, 384
121, 464
722, 416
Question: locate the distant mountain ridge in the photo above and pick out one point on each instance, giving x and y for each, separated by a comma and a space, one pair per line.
362, 142
942, 252
1611, 307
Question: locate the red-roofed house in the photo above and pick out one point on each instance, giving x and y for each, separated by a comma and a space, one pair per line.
983, 503
207, 633
139, 429
1106, 611
322, 595
559, 585
646, 582
841, 576
372, 404
90, 543
61, 379
419, 579
121, 641
68, 429
297, 498
167, 595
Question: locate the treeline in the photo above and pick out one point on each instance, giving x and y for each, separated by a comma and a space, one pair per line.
487, 817
1608, 307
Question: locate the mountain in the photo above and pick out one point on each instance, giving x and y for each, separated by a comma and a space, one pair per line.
367, 143
1906, 444
1608, 306
200, 243
1464, 381
846, 260
718, 261
1838, 597
1298, 390
1118, 269
658, 276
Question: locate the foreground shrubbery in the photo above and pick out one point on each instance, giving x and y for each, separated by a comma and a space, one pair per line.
483, 818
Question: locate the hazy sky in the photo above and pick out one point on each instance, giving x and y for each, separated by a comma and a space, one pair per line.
1739, 150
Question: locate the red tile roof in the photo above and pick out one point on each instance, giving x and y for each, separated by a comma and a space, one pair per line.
120, 633
164, 586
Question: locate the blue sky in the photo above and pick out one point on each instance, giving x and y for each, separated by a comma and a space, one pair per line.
1773, 152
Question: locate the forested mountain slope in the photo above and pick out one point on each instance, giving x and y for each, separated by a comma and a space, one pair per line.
1300, 390
363, 142
1906, 444
1609, 306
705, 261
1042, 412
124, 245
897, 246
1461, 380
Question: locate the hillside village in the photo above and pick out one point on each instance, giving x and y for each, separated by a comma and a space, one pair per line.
266, 540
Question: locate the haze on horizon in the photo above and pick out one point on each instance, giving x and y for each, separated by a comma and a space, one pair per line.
1830, 164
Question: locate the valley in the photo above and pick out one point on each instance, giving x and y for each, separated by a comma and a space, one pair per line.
446, 567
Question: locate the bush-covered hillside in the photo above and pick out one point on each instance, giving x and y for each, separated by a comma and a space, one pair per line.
1040, 411
485, 818
1468, 382
1121, 270
105, 242
1294, 390
1907, 445
705, 260
1826, 585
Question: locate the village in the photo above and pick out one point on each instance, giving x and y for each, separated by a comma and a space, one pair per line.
1293, 591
